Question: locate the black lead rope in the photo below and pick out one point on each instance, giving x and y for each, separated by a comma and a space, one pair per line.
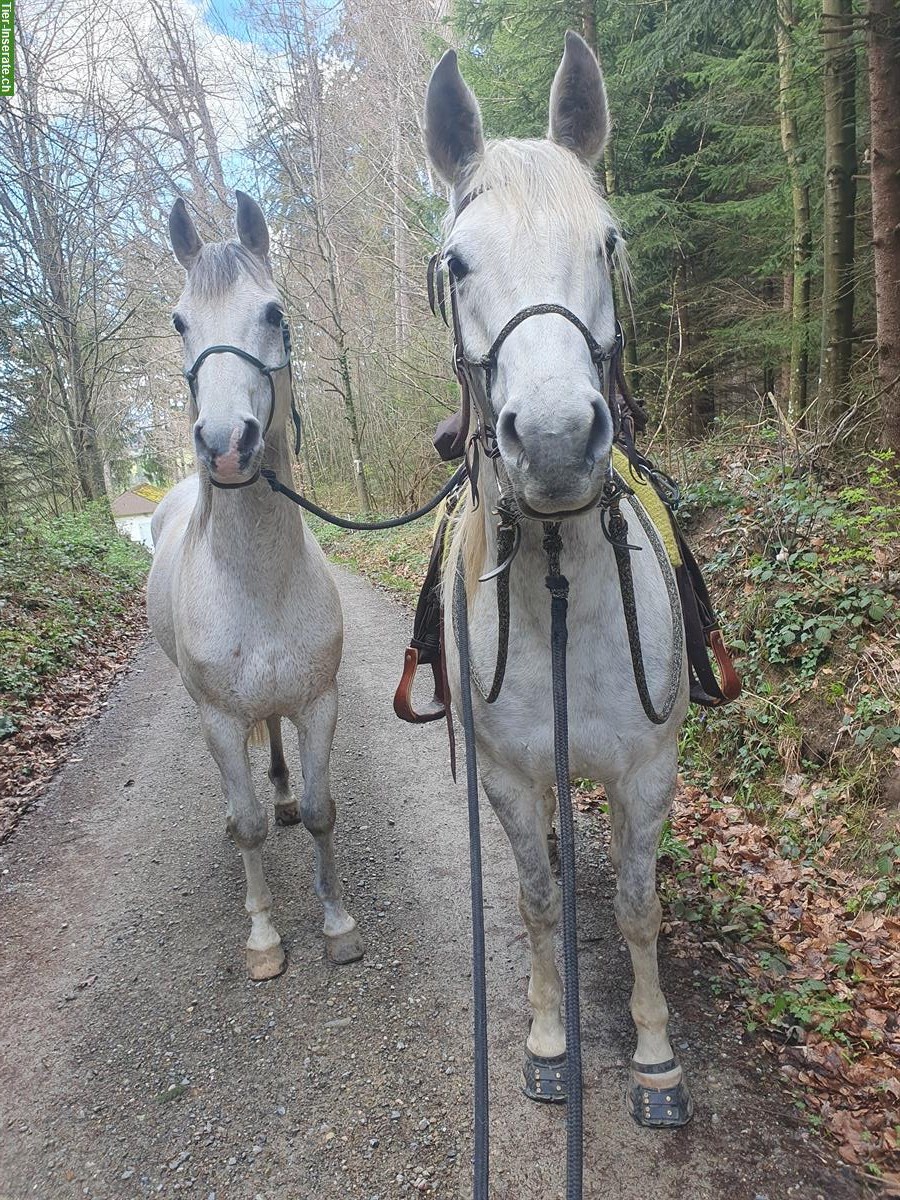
269, 475
481, 1116
343, 523
558, 587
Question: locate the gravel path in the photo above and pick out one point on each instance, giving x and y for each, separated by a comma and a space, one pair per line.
136, 1059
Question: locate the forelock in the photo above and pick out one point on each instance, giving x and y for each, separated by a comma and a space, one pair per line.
220, 265
538, 176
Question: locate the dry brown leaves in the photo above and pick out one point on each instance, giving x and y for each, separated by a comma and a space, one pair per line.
815, 944
30, 756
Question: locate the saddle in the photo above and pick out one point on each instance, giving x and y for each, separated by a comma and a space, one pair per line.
659, 497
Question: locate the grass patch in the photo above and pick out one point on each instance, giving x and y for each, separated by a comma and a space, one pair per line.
395, 559
805, 570
63, 581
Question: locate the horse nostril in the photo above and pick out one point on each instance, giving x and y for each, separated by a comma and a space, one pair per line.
249, 436
507, 433
599, 438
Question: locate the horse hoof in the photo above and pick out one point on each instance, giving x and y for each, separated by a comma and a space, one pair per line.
266, 964
660, 1108
287, 814
544, 1078
343, 948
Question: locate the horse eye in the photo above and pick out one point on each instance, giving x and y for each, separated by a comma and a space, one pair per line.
180, 326
457, 267
274, 315
612, 240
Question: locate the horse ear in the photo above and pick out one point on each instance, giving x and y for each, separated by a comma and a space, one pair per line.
251, 225
453, 134
183, 235
579, 115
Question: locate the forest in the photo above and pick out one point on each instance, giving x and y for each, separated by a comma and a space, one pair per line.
761, 226
754, 165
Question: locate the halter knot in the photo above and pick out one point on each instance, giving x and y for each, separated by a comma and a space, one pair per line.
557, 586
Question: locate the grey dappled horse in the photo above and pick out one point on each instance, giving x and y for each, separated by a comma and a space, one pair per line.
527, 226
240, 596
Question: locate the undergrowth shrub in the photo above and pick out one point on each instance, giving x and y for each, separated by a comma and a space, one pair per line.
805, 570
63, 581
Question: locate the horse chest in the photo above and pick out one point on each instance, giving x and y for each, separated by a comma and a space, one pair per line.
607, 727
268, 649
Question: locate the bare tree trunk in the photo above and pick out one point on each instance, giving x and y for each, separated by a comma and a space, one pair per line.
768, 366
698, 398
703, 403
401, 315
884, 98
329, 259
802, 236
622, 301
88, 459
787, 307
840, 206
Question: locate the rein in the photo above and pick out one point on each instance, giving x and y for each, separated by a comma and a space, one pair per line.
558, 587
344, 523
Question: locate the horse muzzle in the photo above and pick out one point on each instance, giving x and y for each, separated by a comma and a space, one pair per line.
556, 468
231, 452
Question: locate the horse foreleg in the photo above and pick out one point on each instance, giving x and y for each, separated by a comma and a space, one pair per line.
639, 805
287, 811
552, 839
247, 823
315, 729
523, 812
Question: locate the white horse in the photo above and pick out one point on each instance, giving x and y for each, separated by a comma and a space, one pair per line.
240, 596
527, 226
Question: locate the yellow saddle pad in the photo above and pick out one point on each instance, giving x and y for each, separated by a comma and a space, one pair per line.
645, 493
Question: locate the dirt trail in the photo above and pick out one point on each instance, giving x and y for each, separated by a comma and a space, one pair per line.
137, 1060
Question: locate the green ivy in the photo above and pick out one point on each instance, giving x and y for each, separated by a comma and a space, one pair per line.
62, 582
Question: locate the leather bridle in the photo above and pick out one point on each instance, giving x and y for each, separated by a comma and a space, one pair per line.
268, 372
607, 362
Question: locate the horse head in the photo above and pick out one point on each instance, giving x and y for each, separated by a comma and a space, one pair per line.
231, 320
529, 244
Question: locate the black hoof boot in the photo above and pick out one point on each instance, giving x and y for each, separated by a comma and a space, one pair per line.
659, 1107
544, 1078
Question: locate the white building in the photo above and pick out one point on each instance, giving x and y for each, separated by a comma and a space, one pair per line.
133, 509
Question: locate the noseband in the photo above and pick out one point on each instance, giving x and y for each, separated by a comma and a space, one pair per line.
269, 374
599, 357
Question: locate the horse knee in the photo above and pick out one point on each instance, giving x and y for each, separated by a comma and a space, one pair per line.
541, 908
317, 813
638, 913
248, 827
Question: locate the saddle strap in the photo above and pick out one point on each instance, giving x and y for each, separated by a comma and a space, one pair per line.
702, 634
425, 646
505, 541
